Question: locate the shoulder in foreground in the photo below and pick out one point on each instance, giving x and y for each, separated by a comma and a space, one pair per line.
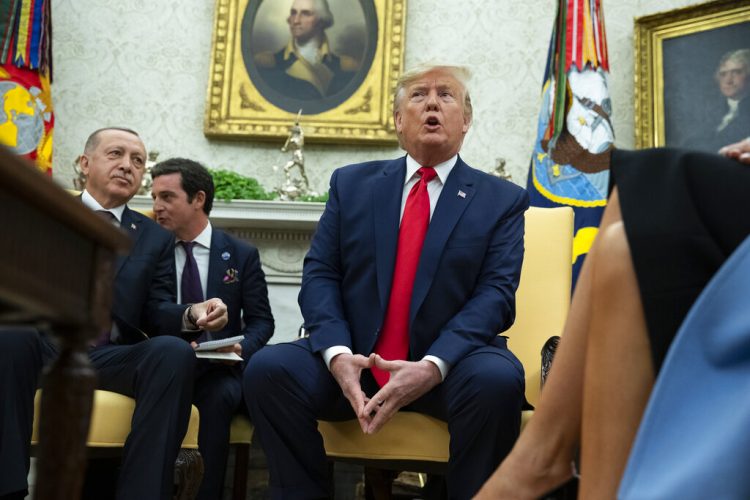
495, 181
370, 167
144, 223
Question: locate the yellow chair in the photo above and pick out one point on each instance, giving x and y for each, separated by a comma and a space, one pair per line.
417, 442
110, 425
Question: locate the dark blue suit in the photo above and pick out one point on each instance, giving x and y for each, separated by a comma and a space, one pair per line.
246, 296
158, 373
464, 295
234, 276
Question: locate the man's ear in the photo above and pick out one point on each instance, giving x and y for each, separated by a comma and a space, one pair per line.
467, 124
83, 164
398, 121
199, 199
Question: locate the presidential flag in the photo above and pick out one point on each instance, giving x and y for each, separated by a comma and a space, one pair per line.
26, 118
570, 162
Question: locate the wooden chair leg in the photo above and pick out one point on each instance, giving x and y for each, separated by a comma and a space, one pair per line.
188, 474
379, 483
331, 476
241, 463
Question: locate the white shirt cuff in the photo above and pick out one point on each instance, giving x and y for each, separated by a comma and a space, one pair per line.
442, 365
331, 352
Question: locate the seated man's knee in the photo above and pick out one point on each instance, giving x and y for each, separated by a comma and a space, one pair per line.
261, 368
496, 388
274, 368
19, 342
172, 353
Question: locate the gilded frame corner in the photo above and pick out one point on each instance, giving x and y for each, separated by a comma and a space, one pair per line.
651, 34
241, 106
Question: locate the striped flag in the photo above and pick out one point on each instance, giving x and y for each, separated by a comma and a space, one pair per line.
570, 162
26, 117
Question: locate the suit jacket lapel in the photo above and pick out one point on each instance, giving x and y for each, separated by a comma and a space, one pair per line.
386, 209
131, 223
449, 208
216, 265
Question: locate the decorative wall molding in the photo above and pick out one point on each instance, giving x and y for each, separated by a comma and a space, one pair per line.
282, 252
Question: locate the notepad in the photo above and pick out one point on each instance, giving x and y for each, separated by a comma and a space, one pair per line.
212, 345
208, 350
223, 356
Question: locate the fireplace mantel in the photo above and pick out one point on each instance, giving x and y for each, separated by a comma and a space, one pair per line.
257, 214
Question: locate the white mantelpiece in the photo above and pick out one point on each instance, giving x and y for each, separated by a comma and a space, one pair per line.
256, 213
282, 232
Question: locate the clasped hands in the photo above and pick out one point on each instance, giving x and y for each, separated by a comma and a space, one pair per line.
408, 381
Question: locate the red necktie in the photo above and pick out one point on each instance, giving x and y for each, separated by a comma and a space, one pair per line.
393, 342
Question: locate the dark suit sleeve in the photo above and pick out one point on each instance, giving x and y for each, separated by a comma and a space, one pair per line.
492, 306
162, 315
256, 311
320, 295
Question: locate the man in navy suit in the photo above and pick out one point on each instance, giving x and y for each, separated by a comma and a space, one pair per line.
157, 372
183, 193
456, 294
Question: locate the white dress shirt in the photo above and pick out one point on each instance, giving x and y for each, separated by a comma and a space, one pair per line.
94, 205
434, 188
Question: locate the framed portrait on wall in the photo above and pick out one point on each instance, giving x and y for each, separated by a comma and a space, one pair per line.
335, 61
692, 76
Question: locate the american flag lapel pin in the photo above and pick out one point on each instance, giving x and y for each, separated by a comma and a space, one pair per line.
132, 226
461, 194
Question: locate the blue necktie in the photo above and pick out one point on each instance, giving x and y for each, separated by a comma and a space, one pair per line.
190, 287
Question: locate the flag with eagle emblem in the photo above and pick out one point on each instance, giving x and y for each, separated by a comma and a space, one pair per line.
570, 162
26, 118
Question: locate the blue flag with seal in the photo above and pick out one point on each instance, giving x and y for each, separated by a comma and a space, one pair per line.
570, 162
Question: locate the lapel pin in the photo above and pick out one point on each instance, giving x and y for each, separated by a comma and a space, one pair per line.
132, 226
461, 194
225, 256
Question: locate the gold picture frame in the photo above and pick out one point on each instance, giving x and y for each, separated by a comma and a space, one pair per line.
677, 58
250, 92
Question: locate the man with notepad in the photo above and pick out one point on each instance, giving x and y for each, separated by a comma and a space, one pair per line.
211, 263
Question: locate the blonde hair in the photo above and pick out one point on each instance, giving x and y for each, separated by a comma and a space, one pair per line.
460, 73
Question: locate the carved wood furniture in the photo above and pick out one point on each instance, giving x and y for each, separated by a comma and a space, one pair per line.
241, 436
56, 271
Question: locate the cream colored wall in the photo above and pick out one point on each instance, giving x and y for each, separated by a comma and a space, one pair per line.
144, 64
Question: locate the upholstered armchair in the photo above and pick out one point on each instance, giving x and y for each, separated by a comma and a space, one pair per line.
417, 442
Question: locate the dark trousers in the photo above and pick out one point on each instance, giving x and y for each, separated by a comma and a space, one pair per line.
288, 388
157, 373
218, 395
